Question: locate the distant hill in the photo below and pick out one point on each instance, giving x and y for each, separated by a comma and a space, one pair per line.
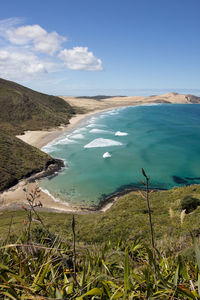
24, 109
192, 99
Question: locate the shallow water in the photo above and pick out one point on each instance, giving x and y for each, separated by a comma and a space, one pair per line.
107, 152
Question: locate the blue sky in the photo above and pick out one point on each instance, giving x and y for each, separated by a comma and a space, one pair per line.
71, 47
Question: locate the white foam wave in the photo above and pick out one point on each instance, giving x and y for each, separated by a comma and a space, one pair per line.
93, 119
151, 104
113, 113
100, 142
80, 130
95, 125
106, 155
119, 133
96, 130
52, 145
110, 113
77, 136
54, 198
65, 163
48, 148
65, 141
91, 125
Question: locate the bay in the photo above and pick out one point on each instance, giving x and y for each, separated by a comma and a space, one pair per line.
106, 152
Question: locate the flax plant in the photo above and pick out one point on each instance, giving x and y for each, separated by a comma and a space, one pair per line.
124, 269
146, 197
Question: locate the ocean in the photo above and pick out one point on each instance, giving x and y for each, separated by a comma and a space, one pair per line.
106, 152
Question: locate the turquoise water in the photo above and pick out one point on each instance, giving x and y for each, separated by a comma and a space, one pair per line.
162, 139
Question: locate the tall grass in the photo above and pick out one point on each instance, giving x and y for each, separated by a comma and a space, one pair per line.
38, 264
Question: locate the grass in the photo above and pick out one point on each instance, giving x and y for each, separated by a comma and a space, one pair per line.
25, 109
113, 258
19, 160
128, 218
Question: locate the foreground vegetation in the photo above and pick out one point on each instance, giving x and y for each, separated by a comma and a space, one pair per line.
103, 255
42, 269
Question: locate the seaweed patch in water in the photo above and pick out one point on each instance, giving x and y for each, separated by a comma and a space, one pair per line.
179, 180
192, 178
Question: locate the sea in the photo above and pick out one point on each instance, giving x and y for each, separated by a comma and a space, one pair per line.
106, 152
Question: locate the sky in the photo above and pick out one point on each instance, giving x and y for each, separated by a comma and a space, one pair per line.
82, 47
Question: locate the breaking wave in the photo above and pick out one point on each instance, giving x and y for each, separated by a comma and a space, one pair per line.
77, 136
106, 155
65, 141
119, 133
80, 130
102, 143
96, 130
91, 125
54, 198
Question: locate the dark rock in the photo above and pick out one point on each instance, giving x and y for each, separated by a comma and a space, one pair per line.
192, 99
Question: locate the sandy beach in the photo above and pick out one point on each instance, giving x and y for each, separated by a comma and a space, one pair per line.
15, 197
90, 106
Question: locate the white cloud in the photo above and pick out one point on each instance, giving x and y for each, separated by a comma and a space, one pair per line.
18, 65
34, 34
10, 22
79, 58
25, 34
30, 51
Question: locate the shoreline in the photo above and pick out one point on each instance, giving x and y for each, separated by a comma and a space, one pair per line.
40, 138
14, 198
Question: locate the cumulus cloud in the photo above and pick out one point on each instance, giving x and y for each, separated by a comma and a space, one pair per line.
79, 58
34, 34
17, 64
30, 50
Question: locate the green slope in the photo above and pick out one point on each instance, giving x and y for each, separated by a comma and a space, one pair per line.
126, 219
24, 109
19, 160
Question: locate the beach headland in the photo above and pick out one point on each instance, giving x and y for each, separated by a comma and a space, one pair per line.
15, 197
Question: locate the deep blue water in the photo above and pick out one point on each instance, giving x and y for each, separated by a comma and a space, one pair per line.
162, 139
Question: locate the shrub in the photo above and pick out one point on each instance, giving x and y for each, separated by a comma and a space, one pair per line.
189, 204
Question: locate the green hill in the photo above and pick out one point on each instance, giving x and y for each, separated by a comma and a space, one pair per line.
24, 109
19, 160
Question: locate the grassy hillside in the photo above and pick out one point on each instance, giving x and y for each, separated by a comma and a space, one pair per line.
24, 109
19, 160
113, 258
127, 218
